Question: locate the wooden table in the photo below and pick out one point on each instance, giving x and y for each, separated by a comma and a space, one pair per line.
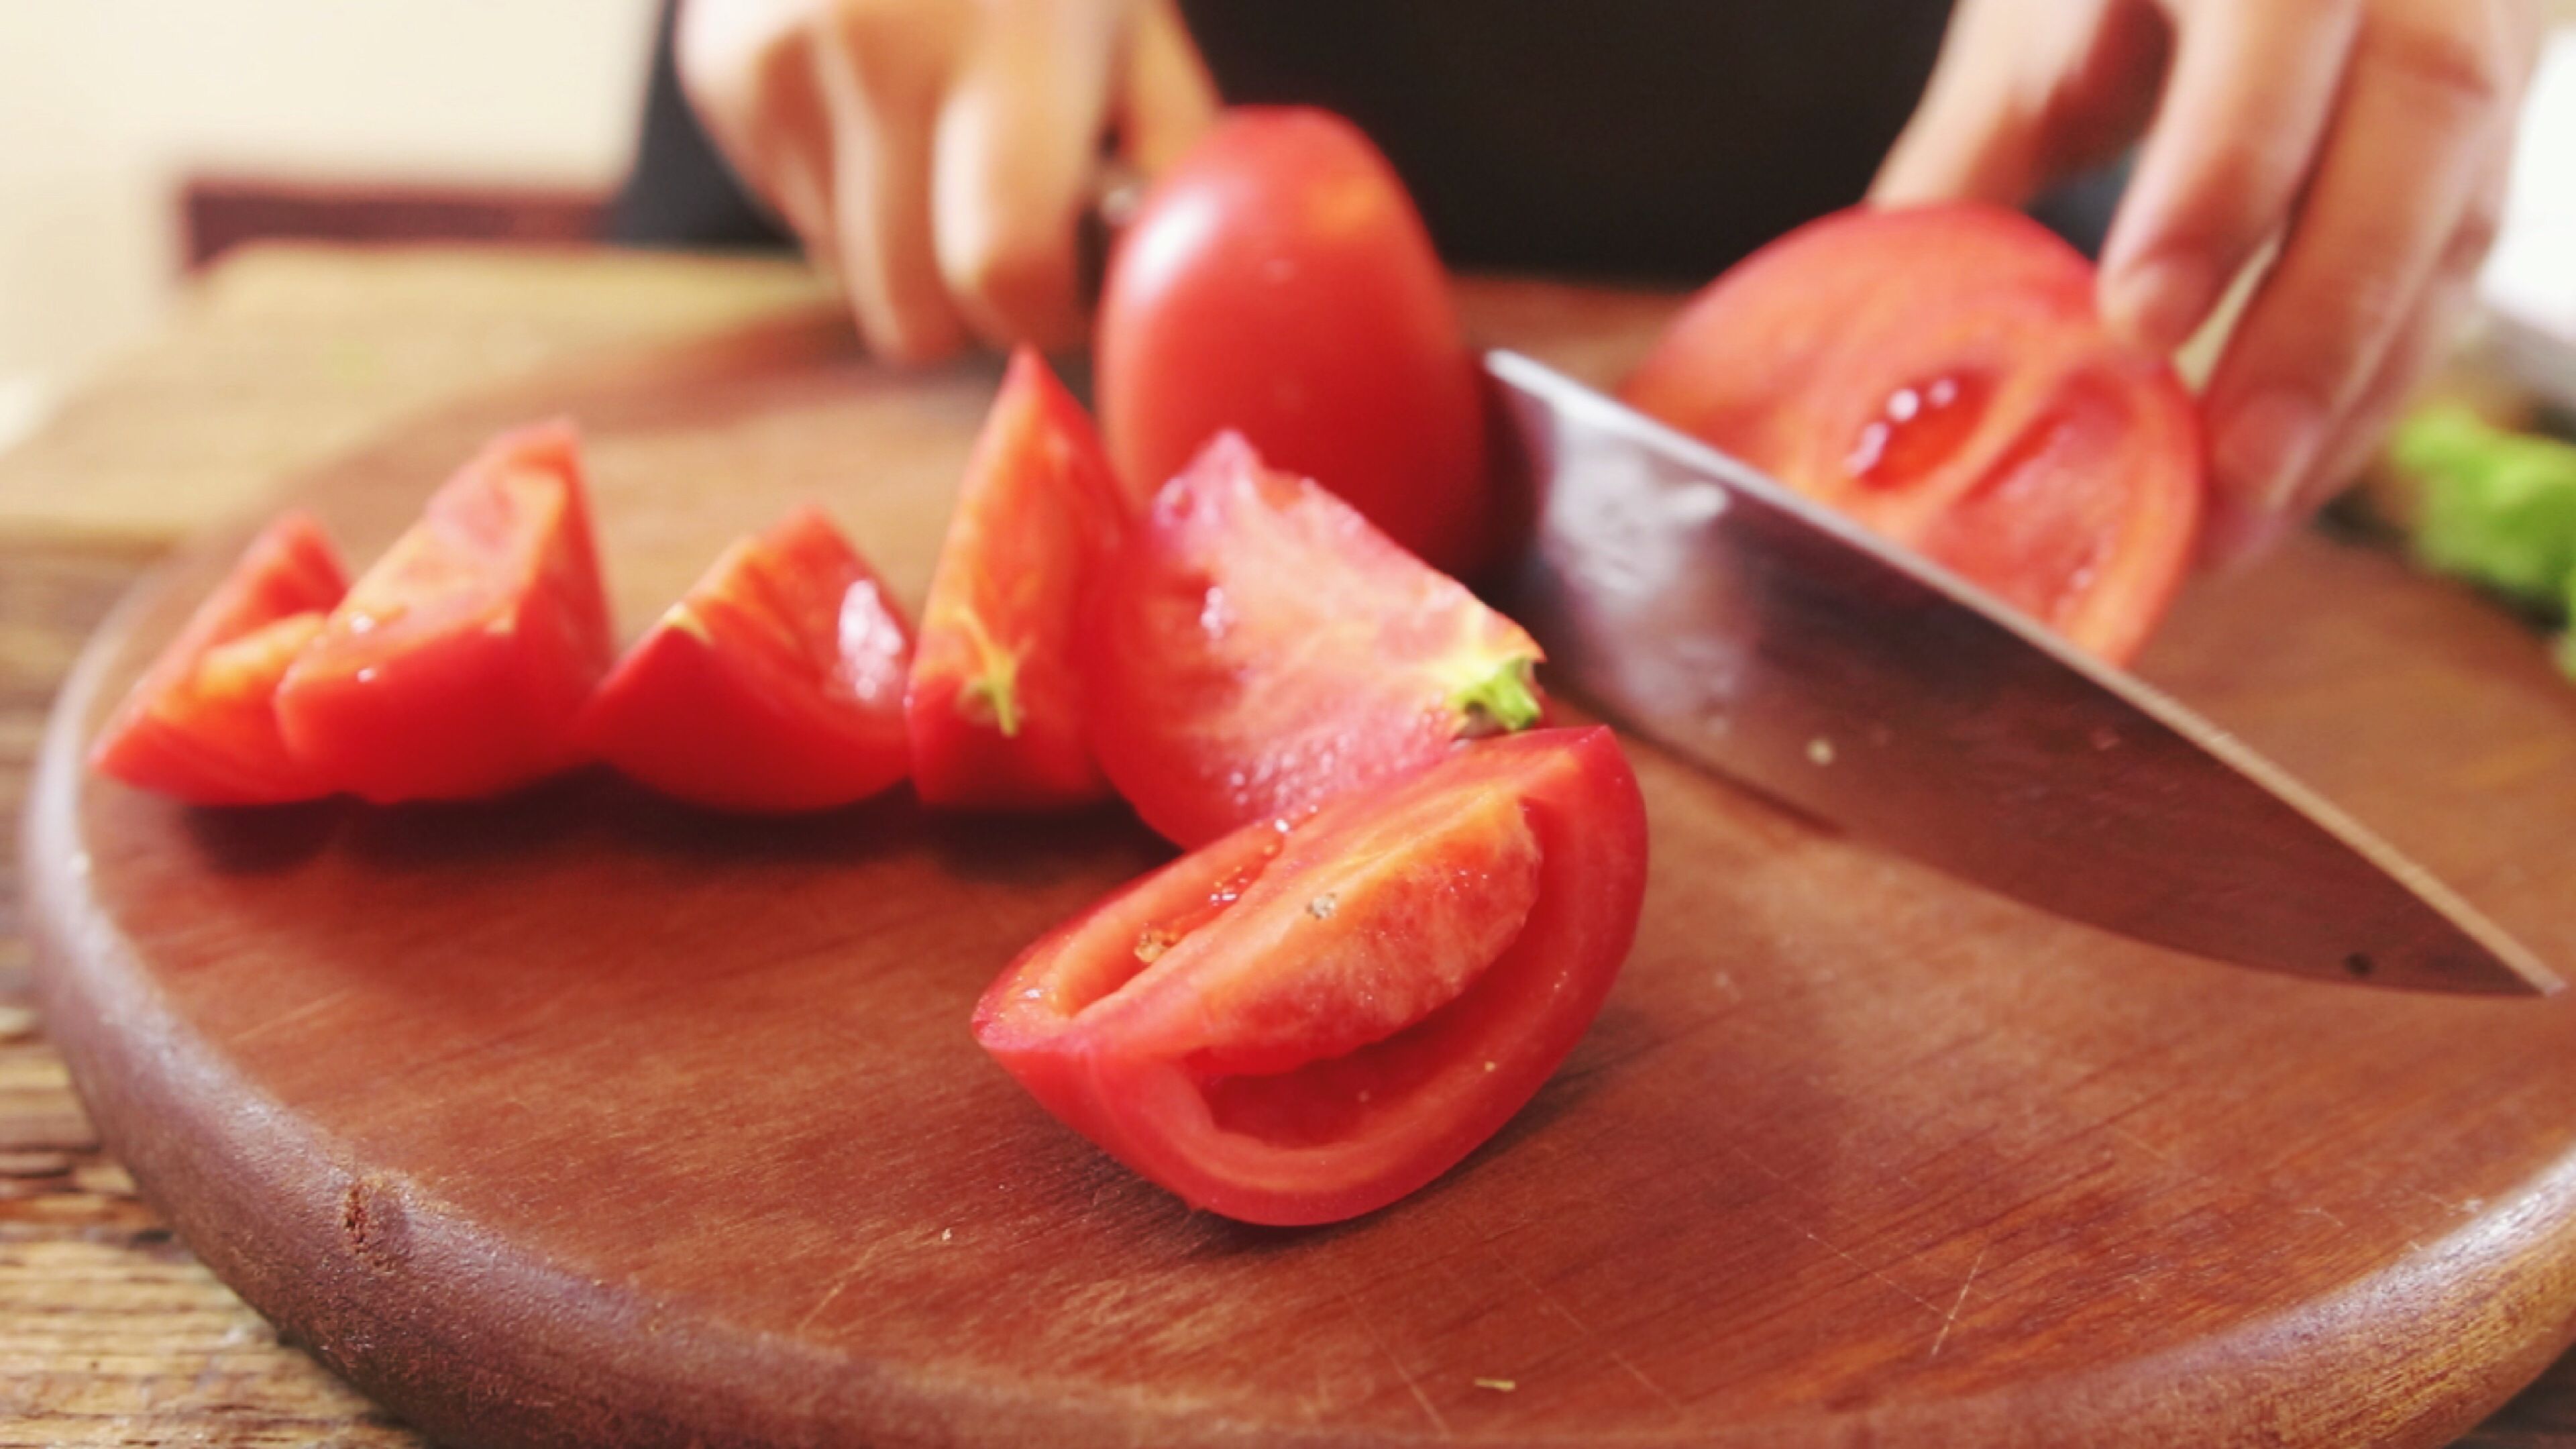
110, 1332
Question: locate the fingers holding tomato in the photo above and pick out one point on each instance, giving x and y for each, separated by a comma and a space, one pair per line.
2364, 136
1938, 374
938, 155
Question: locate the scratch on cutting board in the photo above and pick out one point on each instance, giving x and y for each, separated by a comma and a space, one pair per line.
1590, 1337
1810, 1234
840, 1281
314, 1007
1951, 1319
1368, 1330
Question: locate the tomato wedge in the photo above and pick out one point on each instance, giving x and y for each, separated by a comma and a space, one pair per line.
776, 685
201, 724
995, 702
1279, 282
455, 665
1940, 375
1257, 648
1302, 1023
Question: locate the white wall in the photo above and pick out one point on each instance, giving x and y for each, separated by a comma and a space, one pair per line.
105, 103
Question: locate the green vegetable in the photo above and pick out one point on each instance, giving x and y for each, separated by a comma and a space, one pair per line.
2499, 508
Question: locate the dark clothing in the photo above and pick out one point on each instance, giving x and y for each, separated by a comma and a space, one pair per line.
1646, 139
680, 193
1642, 138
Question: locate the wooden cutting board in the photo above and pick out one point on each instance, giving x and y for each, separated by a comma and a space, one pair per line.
583, 1119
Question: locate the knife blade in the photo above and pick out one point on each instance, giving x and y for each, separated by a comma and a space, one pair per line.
1765, 637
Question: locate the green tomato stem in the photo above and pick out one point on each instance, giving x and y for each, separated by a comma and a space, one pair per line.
1502, 702
993, 695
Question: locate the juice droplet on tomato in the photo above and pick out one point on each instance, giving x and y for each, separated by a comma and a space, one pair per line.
1216, 614
1917, 428
1163, 935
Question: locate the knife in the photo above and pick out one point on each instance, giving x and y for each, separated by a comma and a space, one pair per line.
1769, 639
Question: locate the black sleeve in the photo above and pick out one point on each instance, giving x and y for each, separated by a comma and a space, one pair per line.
1655, 140
681, 193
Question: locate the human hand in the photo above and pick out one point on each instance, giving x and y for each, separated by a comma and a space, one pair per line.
938, 155
2369, 137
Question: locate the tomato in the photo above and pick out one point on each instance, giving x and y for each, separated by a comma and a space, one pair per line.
201, 724
1302, 1023
1940, 375
775, 685
1279, 282
1257, 648
455, 665
995, 702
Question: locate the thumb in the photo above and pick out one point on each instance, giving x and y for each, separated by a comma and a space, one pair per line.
1166, 99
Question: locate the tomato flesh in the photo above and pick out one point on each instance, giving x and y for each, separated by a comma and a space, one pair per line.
1257, 648
201, 724
776, 685
1940, 375
1279, 283
454, 666
995, 700
1357, 1000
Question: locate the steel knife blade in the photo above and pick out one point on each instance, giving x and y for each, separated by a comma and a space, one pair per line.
1770, 639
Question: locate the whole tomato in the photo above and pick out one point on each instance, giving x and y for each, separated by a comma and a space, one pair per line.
1278, 282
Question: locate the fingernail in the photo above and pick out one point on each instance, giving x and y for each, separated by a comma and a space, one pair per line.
2237, 535
2158, 304
2267, 447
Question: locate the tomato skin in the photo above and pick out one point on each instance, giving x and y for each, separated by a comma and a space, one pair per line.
201, 724
1278, 282
775, 686
454, 666
1161, 1062
995, 700
1939, 374
1257, 648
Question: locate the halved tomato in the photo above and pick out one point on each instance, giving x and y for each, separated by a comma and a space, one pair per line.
201, 724
995, 703
1258, 647
775, 685
455, 665
1940, 375
1278, 282
1304, 1022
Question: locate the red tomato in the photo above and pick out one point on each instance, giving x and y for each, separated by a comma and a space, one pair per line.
454, 666
1303, 1023
776, 685
1258, 648
1278, 282
1939, 374
995, 703
201, 724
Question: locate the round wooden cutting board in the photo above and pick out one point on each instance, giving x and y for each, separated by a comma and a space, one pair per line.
579, 1118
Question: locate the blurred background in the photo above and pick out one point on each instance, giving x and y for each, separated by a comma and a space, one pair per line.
145, 136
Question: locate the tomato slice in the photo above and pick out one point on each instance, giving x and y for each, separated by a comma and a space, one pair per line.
1258, 648
455, 665
1302, 1023
1279, 282
776, 685
995, 702
1939, 374
201, 724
